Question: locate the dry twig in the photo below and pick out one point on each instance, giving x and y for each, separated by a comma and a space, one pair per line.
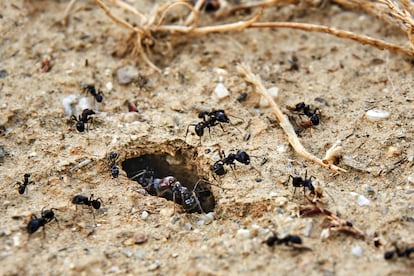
244, 70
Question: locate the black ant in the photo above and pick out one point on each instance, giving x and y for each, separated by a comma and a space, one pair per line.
83, 200
289, 240
35, 223
91, 89
400, 253
83, 119
241, 156
113, 156
22, 186
313, 116
298, 181
170, 188
210, 119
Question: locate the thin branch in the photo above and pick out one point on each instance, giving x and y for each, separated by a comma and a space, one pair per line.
293, 139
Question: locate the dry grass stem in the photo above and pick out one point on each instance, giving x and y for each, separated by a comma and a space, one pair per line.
293, 139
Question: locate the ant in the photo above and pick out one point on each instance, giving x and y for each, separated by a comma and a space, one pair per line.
298, 181
400, 253
91, 89
83, 200
83, 119
289, 240
113, 156
241, 156
23, 186
210, 119
170, 188
35, 223
313, 116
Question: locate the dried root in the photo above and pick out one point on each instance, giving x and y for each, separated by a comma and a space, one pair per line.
399, 13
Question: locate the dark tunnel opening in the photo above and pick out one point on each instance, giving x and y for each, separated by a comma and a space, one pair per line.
163, 165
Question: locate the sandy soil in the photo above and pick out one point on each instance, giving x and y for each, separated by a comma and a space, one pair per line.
136, 233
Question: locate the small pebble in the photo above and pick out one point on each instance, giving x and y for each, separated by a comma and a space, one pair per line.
363, 201
167, 212
357, 251
3, 73
144, 215
308, 229
325, 234
188, 226
140, 238
127, 74
411, 179
221, 91
130, 117
153, 266
67, 103
109, 86
243, 234
375, 115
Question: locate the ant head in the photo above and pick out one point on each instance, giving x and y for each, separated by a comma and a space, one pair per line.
221, 116
48, 214
113, 155
243, 157
99, 98
218, 168
26, 175
315, 119
96, 204
300, 106
199, 129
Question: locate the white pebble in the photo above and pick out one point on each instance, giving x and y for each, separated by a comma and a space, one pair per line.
363, 201
209, 218
308, 228
67, 103
325, 234
243, 234
127, 74
109, 86
357, 251
374, 115
84, 103
273, 92
221, 91
144, 215
411, 179
220, 71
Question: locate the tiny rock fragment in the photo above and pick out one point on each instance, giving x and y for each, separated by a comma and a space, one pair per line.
144, 215
221, 91
393, 151
243, 234
127, 74
167, 212
130, 117
363, 201
140, 238
411, 179
375, 115
357, 251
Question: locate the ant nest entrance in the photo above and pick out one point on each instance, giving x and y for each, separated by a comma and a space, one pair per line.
170, 170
